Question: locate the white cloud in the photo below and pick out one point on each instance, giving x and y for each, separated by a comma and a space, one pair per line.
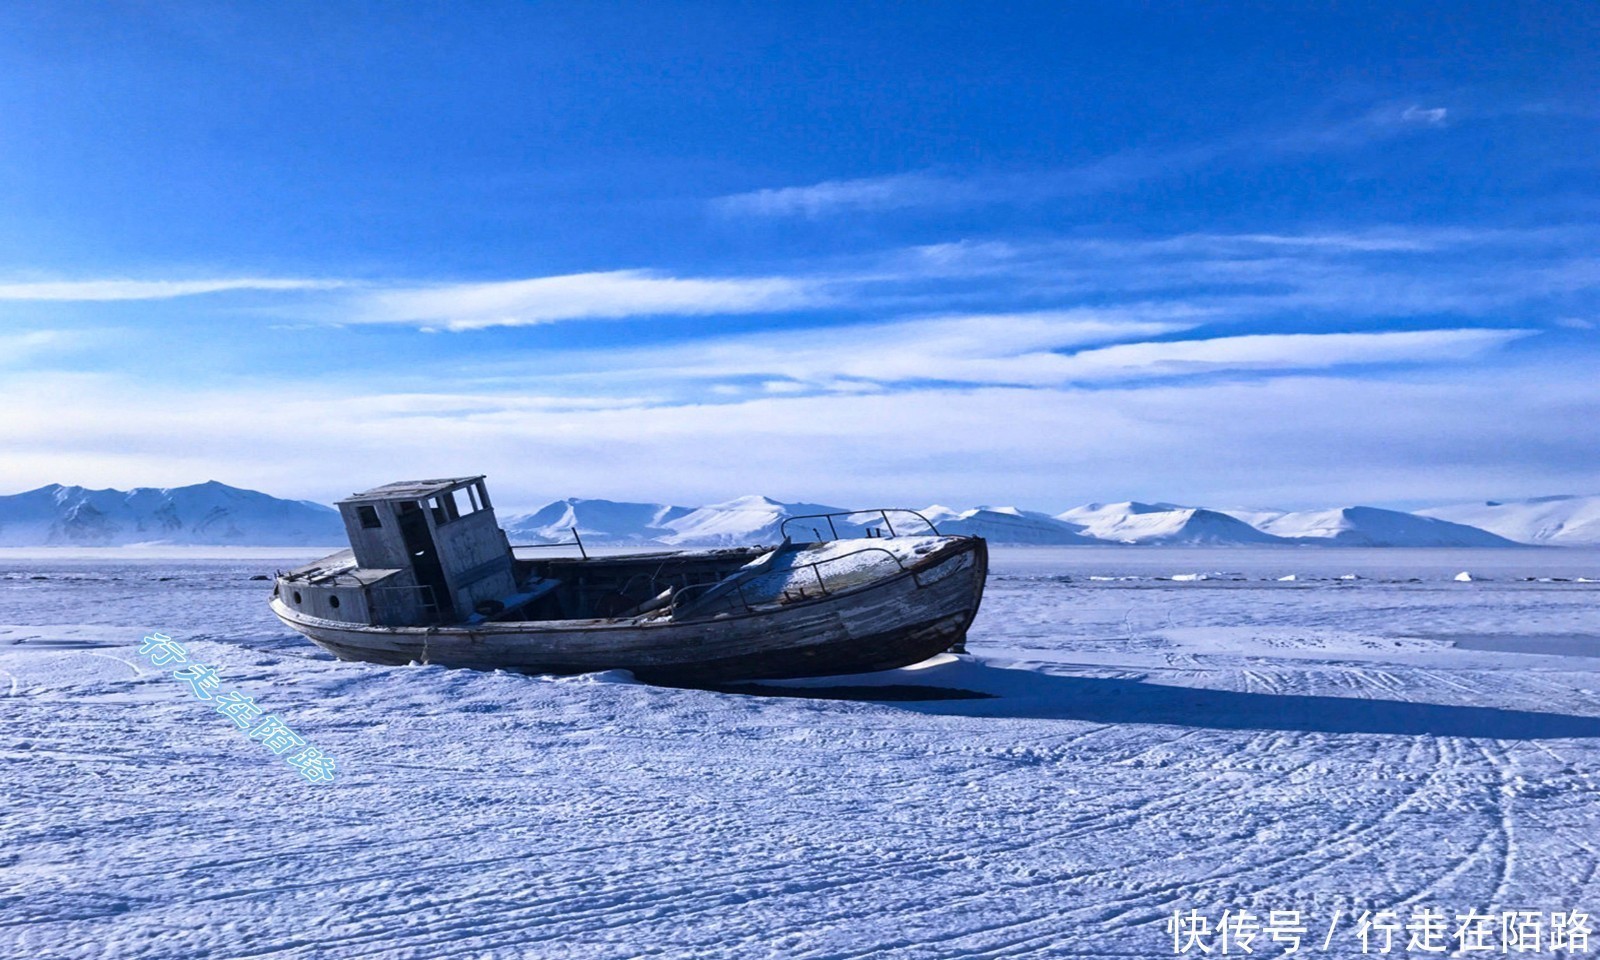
609, 295
1031, 349
1279, 351
1427, 116
977, 348
1173, 252
930, 189
122, 289
927, 189
1293, 441
18, 348
891, 192
1383, 272
464, 405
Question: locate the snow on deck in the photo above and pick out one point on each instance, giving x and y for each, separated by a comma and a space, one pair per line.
835, 565
1148, 745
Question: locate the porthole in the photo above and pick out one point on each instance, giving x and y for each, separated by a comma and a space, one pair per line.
333, 602
297, 598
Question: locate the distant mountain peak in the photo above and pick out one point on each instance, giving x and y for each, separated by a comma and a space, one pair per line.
1561, 520
1133, 522
1377, 527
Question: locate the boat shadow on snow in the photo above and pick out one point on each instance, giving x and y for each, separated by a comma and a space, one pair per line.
965, 687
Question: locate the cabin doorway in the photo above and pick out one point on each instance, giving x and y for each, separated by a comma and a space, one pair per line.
425, 560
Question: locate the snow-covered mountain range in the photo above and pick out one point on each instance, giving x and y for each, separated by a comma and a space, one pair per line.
203, 513
215, 513
760, 519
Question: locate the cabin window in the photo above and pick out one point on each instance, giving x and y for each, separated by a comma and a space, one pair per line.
297, 598
444, 508
451, 505
369, 517
333, 601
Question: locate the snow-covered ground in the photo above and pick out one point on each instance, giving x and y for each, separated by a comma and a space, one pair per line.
1228, 740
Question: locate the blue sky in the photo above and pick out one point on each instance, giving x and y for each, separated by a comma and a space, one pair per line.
1272, 254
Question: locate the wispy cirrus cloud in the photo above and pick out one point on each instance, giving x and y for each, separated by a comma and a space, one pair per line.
1048, 349
979, 348
1094, 251
1282, 352
24, 347
126, 289
605, 295
926, 189
1292, 441
1383, 272
1384, 122
1139, 354
931, 189
892, 192
1426, 116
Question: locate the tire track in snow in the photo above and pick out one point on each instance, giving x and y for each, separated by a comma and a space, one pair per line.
1497, 755
1450, 751
1360, 832
534, 910
646, 897
1125, 818
1366, 829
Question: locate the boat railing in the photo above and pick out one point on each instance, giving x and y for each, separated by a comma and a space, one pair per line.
576, 539
883, 512
816, 571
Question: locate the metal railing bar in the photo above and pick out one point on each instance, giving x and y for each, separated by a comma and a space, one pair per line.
883, 512
575, 541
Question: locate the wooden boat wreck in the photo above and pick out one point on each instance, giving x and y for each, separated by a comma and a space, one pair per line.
430, 577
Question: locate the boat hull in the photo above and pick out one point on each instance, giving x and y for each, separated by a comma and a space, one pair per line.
898, 620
